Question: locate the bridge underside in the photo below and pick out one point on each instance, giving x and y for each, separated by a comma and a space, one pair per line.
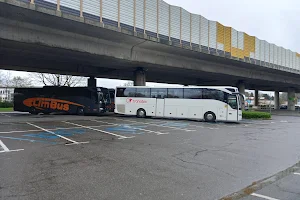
37, 58
38, 42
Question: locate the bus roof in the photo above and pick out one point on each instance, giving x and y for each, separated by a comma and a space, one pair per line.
229, 89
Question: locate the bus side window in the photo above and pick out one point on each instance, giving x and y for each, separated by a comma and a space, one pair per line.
126, 92
159, 93
176, 93
193, 93
143, 92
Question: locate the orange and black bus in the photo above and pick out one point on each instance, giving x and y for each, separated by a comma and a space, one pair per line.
111, 106
54, 99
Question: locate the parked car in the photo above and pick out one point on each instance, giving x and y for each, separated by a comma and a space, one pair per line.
283, 107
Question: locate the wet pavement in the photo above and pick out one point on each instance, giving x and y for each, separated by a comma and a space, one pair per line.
116, 157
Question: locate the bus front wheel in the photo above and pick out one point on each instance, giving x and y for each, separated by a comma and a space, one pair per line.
33, 111
210, 117
80, 111
141, 113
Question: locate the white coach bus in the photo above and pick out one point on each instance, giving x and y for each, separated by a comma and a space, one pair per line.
208, 103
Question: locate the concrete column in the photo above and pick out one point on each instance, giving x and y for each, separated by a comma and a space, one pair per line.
276, 100
291, 99
92, 82
139, 77
241, 87
256, 98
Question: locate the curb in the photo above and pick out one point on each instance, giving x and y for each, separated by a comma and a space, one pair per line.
255, 186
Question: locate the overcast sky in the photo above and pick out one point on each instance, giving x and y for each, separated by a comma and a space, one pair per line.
275, 21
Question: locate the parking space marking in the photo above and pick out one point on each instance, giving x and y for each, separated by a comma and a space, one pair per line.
5, 115
136, 128
63, 137
6, 149
50, 129
263, 196
203, 127
29, 140
109, 133
181, 129
297, 173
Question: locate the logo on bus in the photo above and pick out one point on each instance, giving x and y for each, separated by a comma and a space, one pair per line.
130, 100
46, 103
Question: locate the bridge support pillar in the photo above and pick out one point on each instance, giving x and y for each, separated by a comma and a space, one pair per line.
92, 82
241, 87
139, 77
276, 100
256, 100
291, 99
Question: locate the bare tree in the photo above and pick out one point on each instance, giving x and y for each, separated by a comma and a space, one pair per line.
1, 78
58, 79
18, 82
283, 97
5, 79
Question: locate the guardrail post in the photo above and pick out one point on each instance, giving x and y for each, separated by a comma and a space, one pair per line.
58, 5
101, 13
81, 8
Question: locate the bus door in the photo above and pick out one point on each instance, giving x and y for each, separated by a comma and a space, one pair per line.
160, 107
232, 108
160, 95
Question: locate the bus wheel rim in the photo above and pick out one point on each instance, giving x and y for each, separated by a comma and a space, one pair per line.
210, 116
142, 113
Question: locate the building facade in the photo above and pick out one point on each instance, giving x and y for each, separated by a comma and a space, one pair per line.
6, 94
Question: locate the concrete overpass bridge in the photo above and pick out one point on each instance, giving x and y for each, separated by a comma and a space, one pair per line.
136, 40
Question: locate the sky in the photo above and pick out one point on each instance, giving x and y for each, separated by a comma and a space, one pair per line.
275, 21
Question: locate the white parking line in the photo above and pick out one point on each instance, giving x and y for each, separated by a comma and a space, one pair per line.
297, 173
88, 127
6, 149
3, 146
263, 196
187, 130
136, 128
50, 129
5, 115
63, 137
203, 127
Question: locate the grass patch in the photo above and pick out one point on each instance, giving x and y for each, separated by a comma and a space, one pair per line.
6, 109
256, 115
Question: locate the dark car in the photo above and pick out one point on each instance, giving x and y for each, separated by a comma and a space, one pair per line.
283, 107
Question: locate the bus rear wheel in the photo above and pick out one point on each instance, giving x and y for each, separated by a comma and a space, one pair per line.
210, 117
141, 113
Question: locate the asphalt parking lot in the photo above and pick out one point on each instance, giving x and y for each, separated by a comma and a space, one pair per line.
116, 157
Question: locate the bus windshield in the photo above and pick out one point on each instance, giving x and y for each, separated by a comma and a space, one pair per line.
232, 101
